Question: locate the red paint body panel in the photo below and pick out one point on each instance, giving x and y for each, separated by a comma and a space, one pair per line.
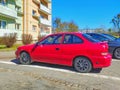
67, 52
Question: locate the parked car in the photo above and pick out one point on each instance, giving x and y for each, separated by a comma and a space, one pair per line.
114, 43
111, 36
70, 49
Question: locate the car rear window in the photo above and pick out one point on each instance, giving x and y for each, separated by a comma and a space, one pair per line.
90, 38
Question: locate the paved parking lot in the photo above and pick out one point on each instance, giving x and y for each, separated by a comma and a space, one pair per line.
40, 76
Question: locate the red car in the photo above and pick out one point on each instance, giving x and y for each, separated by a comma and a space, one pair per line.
71, 49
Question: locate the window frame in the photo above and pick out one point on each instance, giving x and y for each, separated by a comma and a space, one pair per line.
58, 35
2, 2
34, 28
1, 24
82, 41
17, 26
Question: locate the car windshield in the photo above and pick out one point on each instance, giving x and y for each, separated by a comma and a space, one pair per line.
112, 38
90, 38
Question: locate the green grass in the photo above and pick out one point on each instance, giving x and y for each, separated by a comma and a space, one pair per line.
4, 48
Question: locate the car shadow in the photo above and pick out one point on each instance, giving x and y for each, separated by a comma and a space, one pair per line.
15, 61
54, 66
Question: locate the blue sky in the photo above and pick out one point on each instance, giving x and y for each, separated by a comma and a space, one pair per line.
86, 13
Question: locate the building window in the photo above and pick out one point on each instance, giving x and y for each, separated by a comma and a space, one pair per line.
17, 26
33, 12
34, 28
42, 16
42, 29
3, 2
3, 24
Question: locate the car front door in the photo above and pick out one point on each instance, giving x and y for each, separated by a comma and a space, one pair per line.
48, 50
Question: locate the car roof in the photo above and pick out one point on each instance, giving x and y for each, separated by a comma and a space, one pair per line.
93, 33
66, 33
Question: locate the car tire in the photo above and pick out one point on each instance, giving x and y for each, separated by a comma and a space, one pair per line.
25, 58
117, 53
82, 65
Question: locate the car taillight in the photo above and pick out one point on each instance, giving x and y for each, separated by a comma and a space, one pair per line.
104, 53
104, 47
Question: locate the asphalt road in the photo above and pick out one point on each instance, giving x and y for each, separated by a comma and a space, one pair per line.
40, 76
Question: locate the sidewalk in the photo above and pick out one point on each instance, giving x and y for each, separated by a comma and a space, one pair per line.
8, 55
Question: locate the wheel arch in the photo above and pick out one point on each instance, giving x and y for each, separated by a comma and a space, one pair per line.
114, 50
81, 56
24, 51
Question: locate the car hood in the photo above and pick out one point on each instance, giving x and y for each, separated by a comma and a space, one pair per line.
26, 47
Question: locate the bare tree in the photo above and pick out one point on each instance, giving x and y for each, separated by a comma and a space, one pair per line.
116, 23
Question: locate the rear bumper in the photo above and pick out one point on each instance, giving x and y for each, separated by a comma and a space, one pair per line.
102, 61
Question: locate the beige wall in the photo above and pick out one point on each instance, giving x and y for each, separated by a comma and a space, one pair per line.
30, 21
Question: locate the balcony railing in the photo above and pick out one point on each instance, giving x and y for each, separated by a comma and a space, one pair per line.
20, 12
37, 1
45, 22
44, 33
4, 10
18, 3
7, 31
36, 16
44, 9
19, 20
48, 1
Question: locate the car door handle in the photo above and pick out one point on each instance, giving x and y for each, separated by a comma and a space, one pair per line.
57, 49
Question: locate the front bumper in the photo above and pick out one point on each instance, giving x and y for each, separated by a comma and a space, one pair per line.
17, 54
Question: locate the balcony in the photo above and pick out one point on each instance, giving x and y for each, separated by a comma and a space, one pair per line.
19, 20
7, 31
20, 12
36, 16
37, 1
5, 11
18, 3
48, 1
44, 9
45, 22
44, 33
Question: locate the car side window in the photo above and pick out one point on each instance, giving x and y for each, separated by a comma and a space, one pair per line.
72, 39
67, 39
76, 39
55, 39
58, 39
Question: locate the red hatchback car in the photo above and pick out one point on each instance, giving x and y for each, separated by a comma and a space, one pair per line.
71, 49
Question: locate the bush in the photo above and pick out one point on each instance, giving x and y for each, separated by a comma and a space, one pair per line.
9, 39
1, 40
26, 39
40, 37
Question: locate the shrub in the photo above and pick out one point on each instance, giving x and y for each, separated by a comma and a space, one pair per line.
40, 37
9, 39
1, 40
26, 39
